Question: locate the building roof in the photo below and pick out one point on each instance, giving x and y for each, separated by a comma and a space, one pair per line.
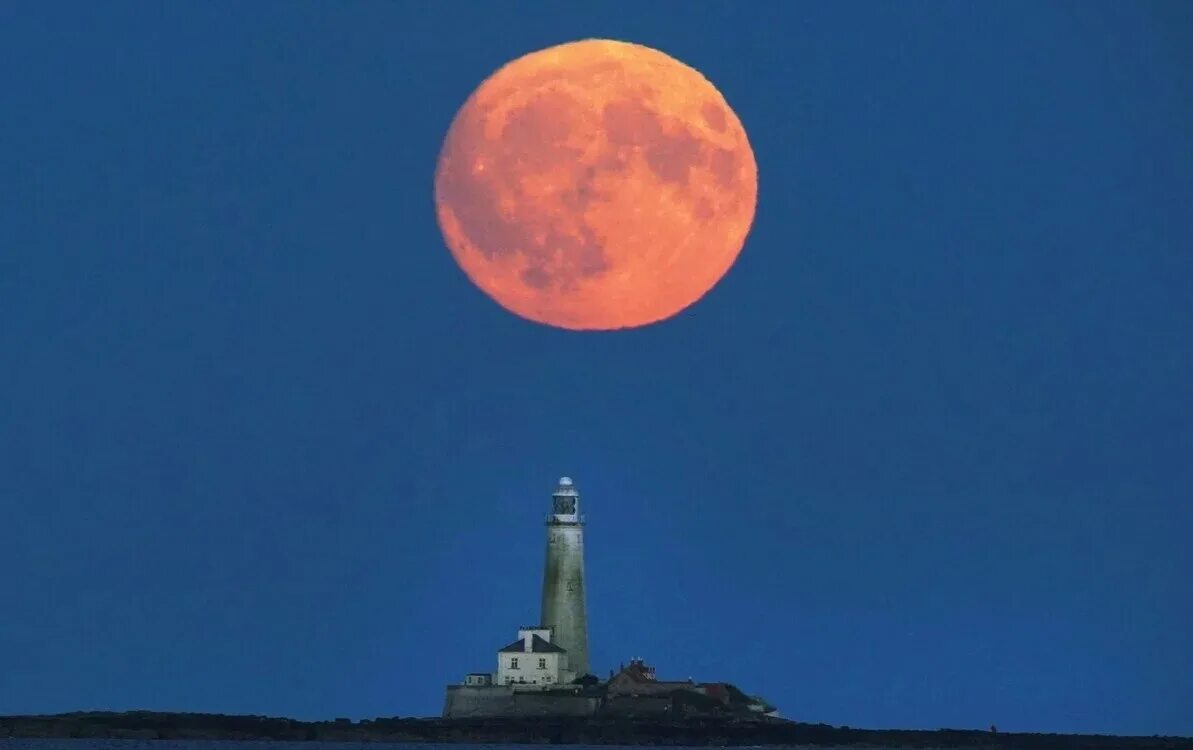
537, 646
638, 672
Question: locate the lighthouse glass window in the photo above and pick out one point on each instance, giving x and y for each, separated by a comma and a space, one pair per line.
565, 506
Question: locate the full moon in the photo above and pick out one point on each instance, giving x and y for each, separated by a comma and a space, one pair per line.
596, 185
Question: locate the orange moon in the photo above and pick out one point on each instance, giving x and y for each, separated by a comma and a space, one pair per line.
596, 185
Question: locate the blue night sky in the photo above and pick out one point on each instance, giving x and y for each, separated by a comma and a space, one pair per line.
921, 459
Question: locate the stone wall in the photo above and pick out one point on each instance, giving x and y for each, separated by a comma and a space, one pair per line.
466, 701
657, 705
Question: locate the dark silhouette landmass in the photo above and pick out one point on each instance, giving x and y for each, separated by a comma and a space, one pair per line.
578, 730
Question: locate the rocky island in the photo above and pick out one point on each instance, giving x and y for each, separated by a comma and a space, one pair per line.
594, 730
543, 691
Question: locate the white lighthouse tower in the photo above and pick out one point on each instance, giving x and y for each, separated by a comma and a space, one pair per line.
563, 577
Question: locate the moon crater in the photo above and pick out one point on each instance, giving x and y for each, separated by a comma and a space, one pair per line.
595, 185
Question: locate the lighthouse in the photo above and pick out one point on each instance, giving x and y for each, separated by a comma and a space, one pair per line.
563, 577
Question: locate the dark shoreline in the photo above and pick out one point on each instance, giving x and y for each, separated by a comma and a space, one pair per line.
148, 725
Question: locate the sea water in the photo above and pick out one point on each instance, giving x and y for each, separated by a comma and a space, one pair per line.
42, 744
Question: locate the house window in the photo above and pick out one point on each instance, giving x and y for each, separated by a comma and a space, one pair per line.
514, 663
542, 663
